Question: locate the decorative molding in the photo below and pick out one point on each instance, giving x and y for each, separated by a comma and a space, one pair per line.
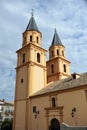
30, 62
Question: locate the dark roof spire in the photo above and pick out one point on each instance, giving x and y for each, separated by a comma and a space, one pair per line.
56, 40
32, 24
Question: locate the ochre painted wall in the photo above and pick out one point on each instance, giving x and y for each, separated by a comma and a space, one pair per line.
73, 99
40, 122
68, 100
38, 78
20, 116
21, 89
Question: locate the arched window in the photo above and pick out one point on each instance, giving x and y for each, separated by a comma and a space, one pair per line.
37, 39
57, 52
53, 102
52, 68
30, 38
64, 67
38, 57
23, 58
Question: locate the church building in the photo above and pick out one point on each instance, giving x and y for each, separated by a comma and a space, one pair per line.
46, 94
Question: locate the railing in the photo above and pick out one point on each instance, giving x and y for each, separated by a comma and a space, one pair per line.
7, 112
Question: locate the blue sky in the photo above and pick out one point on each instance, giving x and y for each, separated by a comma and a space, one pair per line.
68, 16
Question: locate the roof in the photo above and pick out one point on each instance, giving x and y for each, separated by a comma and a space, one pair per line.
2, 102
64, 84
56, 40
32, 24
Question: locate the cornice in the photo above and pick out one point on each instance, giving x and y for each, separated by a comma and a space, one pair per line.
30, 45
30, 63
57, 58
58, 73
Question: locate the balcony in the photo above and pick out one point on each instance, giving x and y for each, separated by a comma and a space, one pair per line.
9, 112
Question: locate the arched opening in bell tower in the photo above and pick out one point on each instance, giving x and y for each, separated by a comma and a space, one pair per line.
64, 67
38, 57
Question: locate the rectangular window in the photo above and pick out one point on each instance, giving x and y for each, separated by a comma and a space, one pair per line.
21, 80
23, 58
37, 39
52, 68
34, 109
30, 38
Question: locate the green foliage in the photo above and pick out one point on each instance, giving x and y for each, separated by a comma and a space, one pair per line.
6, 125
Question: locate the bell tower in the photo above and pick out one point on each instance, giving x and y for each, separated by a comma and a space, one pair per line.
31, 62
58, 67
30, 73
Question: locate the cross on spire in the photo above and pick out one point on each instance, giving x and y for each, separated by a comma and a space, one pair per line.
32, 12
32, 24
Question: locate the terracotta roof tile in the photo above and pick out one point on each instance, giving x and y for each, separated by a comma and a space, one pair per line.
64, 84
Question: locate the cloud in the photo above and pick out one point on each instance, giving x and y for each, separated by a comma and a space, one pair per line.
69, 17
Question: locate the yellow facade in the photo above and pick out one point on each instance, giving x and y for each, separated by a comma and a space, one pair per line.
39, 93
65, 102
58, 60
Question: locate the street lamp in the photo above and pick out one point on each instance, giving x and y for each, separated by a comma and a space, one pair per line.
36, 114
73, 112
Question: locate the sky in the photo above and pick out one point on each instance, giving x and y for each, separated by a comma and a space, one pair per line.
69, 17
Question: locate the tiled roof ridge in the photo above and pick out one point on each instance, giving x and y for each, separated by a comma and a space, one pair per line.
63, 84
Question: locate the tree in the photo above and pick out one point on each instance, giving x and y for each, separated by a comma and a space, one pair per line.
6, 125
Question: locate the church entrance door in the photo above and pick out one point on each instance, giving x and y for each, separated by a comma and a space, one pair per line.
55, 125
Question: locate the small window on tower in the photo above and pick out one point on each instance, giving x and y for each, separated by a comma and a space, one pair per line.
64, 67
38, 57
23, 58
57, 52
52, 68
37, 39
30, 38
21, 80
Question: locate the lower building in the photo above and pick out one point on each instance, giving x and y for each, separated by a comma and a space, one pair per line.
6, 110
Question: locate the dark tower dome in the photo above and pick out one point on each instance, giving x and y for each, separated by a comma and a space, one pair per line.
56, 40
32, 24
